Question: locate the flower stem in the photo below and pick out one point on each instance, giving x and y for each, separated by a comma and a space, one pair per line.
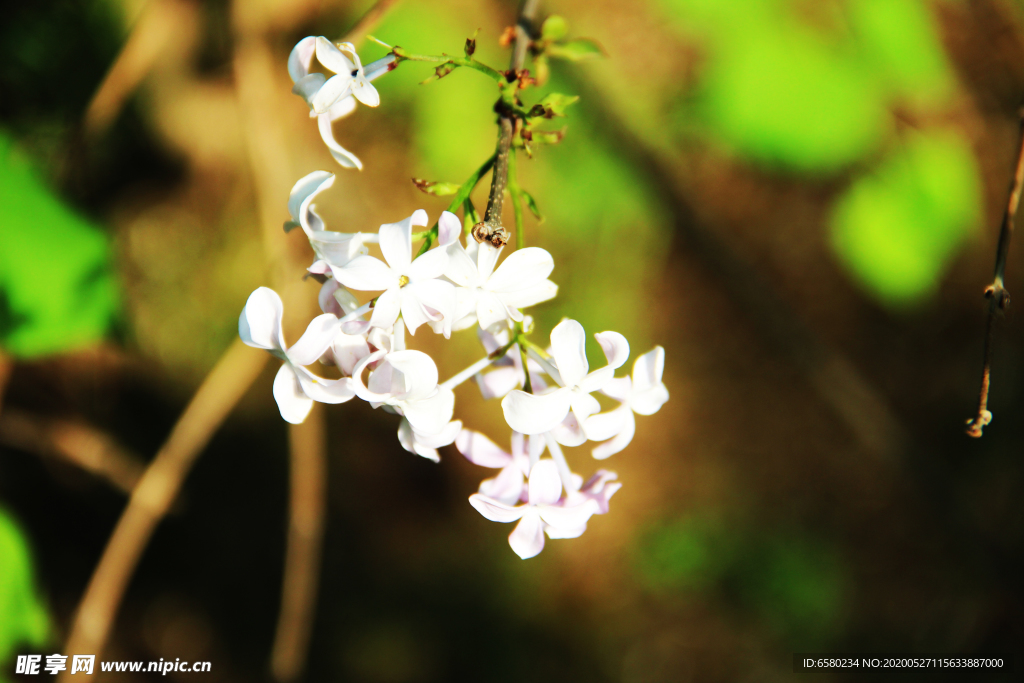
563, 467
517, 198
477, 367
461, 196
468, 62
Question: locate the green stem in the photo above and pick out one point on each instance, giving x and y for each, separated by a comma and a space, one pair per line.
461, 196
517, 198
467, 62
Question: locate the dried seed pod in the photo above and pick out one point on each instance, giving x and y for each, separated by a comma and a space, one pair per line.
496, 236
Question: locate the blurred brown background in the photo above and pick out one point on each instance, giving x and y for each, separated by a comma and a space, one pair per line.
798, 199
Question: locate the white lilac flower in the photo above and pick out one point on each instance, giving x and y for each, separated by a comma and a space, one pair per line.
488, 295
334, 98
407, 382
542, 512
539, 413
644, 395
332, 249
295, 388
508, 486
410, 287
508, 370
425, 445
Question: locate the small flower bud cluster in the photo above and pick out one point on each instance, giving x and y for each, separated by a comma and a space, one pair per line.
547, 394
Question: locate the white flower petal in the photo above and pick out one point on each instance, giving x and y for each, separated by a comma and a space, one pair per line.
570, 517
486, 257
334, 89
497, 383
396, 240
324, 390
621, 440
308, 86
429, 416
348, 350
315, 340
375, 70
366, 274
449, 228
524, 268
606, 425
291, 401
568, 346
618, 388
461, 269
338, 249
506, 487
407, 437
325, 297
439, 300
419, 371
342, 108
615, 347
490, 309
648, 369
495, 510
543, 291
340, 154
480, 450
259, 325
527, 539
328, 54
533, 414
583, 405
569, 432
428, 266
649, 401
364, 92
301, 57
545, 484
597, 380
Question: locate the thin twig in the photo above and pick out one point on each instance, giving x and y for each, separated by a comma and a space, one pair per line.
833, 377
74, 442
506, 122
221, 390
369, 21
308, 500
998, 297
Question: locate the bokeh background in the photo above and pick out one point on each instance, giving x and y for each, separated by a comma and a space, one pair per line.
798, 199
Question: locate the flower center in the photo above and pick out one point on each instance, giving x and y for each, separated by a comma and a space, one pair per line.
403, 281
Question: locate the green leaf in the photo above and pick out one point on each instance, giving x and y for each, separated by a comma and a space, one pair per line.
23, 619
435, 188
577, 50
896, 229
556, 103
56, 289
554, 28
531, 203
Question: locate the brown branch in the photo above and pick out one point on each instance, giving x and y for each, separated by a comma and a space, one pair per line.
998, 297
74, 442
369, 21
152, 497
491, 228
833, 377
305, 538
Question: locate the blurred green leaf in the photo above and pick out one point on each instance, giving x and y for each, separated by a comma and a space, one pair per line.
56, 289
554, 28
23, 619
576, 50
896, 229
899, 40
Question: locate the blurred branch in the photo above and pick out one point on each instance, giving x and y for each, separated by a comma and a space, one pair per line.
220, 391
155, 28
369, 21
833, 377
308, 496
74, 442
998, 297
269, 161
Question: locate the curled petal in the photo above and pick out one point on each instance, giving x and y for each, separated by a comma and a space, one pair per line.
568, 346
649, 401
427, 446
545, 484
419, 371
291, 400
480, 450
357, 379
308, 86
615, 347
569, 517
535, 414
300, 200
301, 57
342, 108
328, 304
344, 157
527, 539
524, 268
496, 511
338, 249
259, 325
449, 228
430, 415
324, 390
648, 368
315, 340
619, 442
